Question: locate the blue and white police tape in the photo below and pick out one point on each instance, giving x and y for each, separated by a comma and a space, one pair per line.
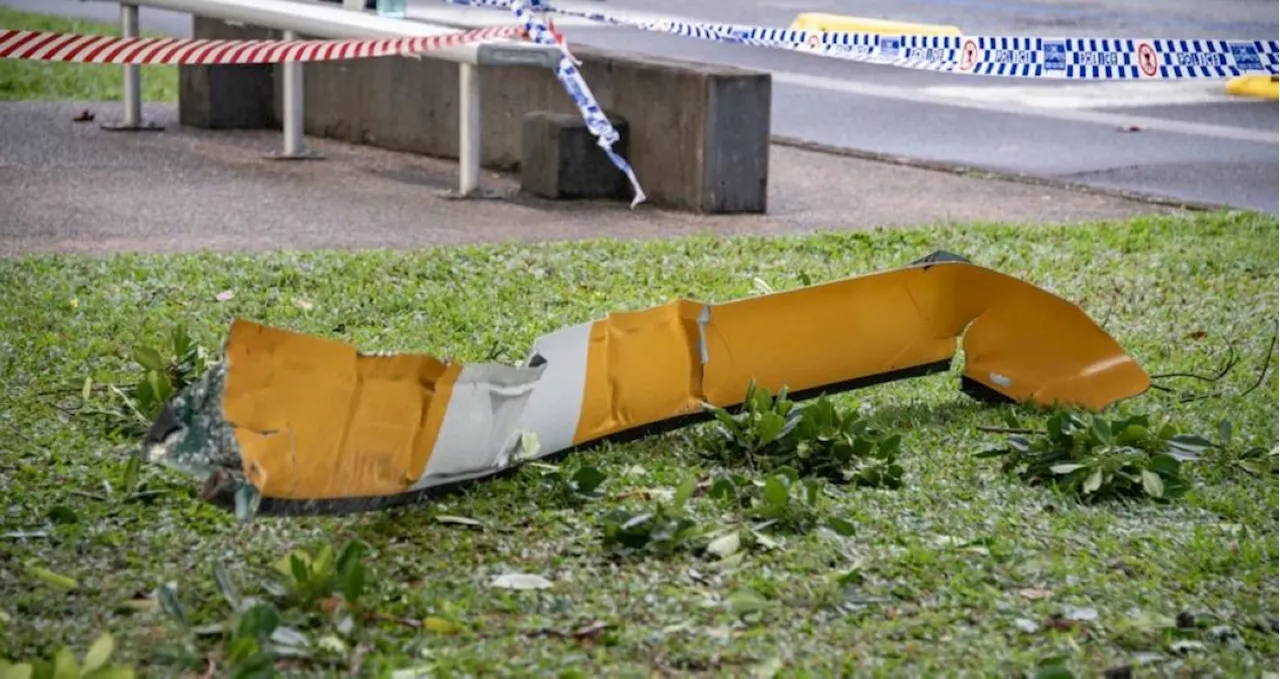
1027, 57
576, 86
1022, 57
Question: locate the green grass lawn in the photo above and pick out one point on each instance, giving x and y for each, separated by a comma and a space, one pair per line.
47, 81
961, 571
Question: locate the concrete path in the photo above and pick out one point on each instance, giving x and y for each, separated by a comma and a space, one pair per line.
72, 187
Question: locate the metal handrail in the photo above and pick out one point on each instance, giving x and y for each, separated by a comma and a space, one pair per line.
330, 22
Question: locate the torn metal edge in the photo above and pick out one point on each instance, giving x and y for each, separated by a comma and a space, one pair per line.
560, 360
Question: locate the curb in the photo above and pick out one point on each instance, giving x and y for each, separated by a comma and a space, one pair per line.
997, 175
818, 21
1255, 86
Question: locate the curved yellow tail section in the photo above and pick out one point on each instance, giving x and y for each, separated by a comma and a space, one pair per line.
317, 420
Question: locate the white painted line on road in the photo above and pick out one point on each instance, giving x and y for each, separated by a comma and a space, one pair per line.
1073, 115
1095, 95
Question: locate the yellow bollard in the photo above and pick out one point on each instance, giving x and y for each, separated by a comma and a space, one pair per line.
1256, 86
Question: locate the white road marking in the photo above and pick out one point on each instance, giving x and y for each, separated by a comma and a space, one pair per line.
1096, 95
1075, 115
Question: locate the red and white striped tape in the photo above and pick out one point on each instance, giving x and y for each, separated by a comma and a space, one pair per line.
105, 49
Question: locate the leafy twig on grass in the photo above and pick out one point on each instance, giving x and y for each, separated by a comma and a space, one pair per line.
570, 485
817, 439
1100, 459
702, 486
664, 529
254, 633
308, 578
1254, 460
782, 500
762, 424
128, 409
1228, 454
797, 449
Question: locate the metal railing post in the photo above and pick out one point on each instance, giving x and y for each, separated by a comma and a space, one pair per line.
132, 100
291, 118
132, 72
468, 129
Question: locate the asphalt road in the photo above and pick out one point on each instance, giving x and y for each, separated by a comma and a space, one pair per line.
1185, 140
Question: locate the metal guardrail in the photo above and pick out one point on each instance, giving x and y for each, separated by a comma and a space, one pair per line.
334, 22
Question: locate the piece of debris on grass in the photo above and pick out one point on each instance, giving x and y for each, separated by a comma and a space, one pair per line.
1067, 623
1184, 646
1082, 614
141, 602
24, 534
459, 521
586, 632
520, 581
1027, 626
440, 625
523, 402
50, 578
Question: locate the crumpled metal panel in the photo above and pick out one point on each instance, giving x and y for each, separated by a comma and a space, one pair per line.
305, 424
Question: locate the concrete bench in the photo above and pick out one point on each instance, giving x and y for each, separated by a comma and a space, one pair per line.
698, 133
560, 158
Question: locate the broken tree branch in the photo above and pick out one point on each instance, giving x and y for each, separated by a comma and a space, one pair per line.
1262, 374
1266, 365
1232, 359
